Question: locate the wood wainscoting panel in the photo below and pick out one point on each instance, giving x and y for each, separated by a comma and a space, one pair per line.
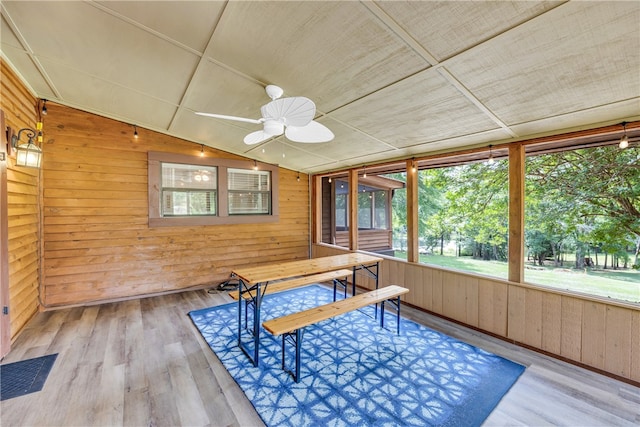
426, 295
551, 318
437, 292
471, 298
516, 314
618, 341
492, 306
533, 318
594, 320
571, 328
635, 346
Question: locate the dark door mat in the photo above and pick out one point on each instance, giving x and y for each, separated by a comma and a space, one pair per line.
24, 377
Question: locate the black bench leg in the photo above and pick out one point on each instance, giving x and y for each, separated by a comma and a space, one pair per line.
297, 338
298, 348
397, 304
398, 317
344, 284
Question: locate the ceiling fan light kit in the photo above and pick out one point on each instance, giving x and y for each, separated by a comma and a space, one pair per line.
292, 116
273, 128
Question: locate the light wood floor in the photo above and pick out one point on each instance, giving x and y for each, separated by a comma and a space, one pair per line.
143, 363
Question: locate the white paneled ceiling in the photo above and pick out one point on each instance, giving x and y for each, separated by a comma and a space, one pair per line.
391, 79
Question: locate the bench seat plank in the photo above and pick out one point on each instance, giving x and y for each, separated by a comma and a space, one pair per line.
291, 322
292, 325
296, 282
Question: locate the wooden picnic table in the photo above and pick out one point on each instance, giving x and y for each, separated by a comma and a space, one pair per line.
254, 280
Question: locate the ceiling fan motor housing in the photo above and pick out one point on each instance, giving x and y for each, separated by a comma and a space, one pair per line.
273, 127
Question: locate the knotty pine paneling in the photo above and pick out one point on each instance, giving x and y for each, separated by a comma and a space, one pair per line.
23, 207
601, 334
96, 239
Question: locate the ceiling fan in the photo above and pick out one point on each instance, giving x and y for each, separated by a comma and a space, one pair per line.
291, 116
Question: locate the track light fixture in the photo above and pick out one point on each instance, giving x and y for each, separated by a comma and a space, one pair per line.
624, 141
490, 159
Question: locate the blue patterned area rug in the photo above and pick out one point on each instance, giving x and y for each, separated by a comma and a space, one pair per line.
356, 374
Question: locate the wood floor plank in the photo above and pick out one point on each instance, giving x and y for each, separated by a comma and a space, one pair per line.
143, 363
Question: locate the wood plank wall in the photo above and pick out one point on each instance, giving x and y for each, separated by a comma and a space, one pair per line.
368, 239
97, 244
593, 332
23, 212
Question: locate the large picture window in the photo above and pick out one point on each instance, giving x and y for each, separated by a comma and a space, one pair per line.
188, 190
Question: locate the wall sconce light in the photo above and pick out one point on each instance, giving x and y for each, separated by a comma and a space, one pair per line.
44, 107
364, 168
490, 159
29, 154
624, 141
255, 165
413, 166
202, 150
298, 177
329, 180
135, 131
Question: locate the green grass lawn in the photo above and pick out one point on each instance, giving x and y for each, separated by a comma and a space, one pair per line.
616, 284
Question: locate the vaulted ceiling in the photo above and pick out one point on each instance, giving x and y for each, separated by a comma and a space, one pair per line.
391, 79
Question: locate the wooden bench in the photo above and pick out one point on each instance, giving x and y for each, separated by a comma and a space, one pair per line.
291, 325
283, 285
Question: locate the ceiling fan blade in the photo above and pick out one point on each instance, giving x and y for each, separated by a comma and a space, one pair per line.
295, 111
256, 137
314, 132
238, 119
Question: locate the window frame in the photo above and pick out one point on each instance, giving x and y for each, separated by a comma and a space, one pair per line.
257, 192
190, 192
155, 160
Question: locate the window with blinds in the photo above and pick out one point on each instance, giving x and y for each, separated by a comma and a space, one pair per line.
249, 192
188, 190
